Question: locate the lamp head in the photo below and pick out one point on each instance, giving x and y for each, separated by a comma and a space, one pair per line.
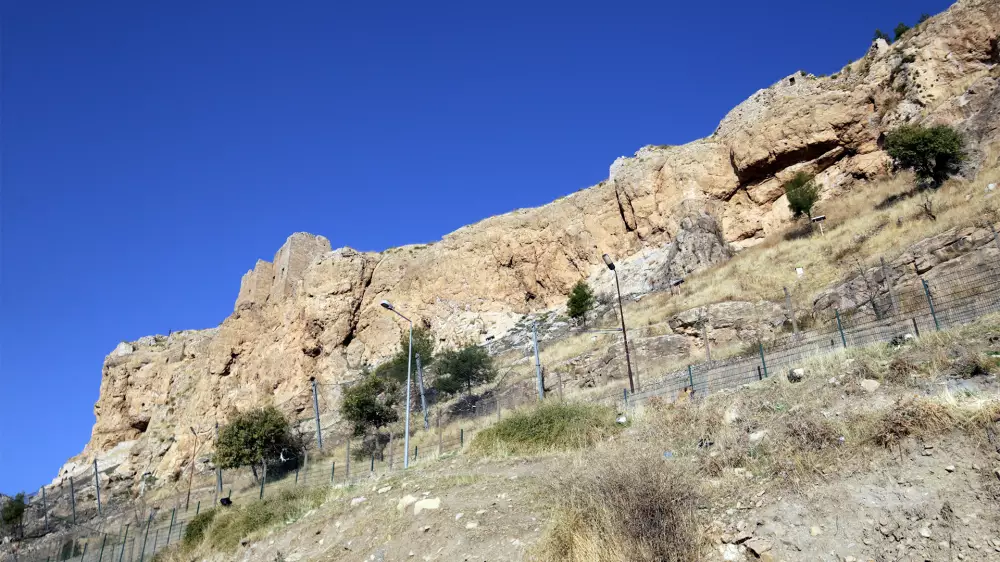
608, 262
387, 305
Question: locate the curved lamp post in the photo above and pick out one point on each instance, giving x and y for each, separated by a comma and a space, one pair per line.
621, 312
406, 438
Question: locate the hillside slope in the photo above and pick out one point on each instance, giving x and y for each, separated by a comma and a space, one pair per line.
313, 311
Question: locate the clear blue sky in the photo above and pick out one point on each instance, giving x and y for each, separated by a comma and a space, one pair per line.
153, 151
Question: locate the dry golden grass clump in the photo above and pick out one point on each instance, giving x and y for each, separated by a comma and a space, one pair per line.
637, 509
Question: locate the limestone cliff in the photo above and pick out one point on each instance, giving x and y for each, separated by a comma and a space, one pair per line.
313, 311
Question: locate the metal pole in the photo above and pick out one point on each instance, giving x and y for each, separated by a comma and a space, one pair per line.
347, 475
156, 537
930, 303
319, 432
888, 287
263, 482
440, 438
392, 453
373, 463
423, 400
194, 461
704, 332
409, 382
72, 498
916, 330
142, 553
333, 470
97, 485
83, 555
538, 363
760, 347
103, 542
791, 313
218, 470
461, 437
45, 510
170, 529
197, 508
690, 379
621, 312
121, 555
840, 328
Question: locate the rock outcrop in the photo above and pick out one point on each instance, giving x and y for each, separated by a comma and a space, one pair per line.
666, 211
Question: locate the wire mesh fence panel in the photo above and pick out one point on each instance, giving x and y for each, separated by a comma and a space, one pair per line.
90, 513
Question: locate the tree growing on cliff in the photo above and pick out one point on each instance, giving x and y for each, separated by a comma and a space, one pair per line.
580, 302
12, 516
879, 34
900, 31
423, 345
802, 193
462, 369
255, 438
933, 153
370, 404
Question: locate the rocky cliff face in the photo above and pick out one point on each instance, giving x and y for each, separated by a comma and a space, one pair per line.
665, 212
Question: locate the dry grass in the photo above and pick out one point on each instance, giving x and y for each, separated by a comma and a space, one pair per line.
624, 509
549, 427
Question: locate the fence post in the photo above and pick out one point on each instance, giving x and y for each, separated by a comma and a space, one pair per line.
263, 482
760, 347
439, 432
373, 462
691, 379
347, 475
142, 553
559, 376
704, 331
218, 471
121, 555
461, 438
888, 287
197, 508
333, 470
45, 510
916, 330
83, 556
72, 498
498, 408
97, 486
296, 474
791, 313
104, 541
423, 400
840, 328
625, 396
930, 303
156, 536
416, 452
170, 529
392, 458
760, 376
538, 364
319, 431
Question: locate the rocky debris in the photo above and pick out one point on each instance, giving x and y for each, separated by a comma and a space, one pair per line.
405, 502
796, 375
426, 504
758, 436
358, 501
384, 489
758, 546
869, 385
472, 525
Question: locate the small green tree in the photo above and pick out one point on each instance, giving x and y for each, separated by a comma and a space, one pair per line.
370, 404
581, 300
923, 18
463, 368
802, 193
254, 438
423, 345
879, 34
900, 30
933, 153
12, 515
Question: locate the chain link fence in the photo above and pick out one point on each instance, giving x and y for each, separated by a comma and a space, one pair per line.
88, 518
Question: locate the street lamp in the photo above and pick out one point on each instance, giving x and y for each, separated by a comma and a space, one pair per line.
406, 438
621, 312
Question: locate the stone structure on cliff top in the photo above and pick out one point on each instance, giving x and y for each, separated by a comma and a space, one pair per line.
313, 311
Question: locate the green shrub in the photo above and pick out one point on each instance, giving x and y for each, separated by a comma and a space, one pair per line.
933, 153
900, 31
551, 426
581, 300
253, 438
802, 194
231, 527
463, 368
196, 528
879, 34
